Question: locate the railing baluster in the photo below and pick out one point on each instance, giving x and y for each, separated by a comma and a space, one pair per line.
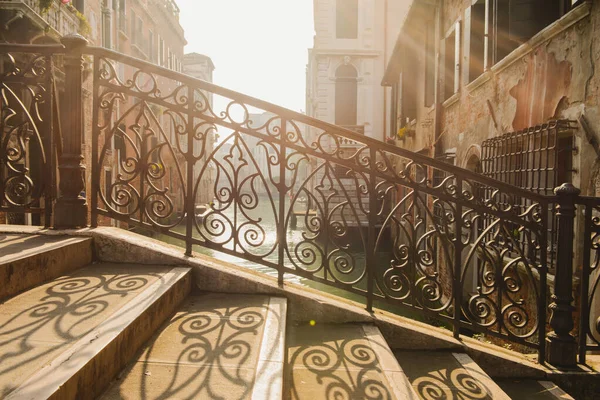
458, 248
190, 199
541, 306
370, 256
561, 348
95, 145
584, 311
282, 189
71, 207
48, 144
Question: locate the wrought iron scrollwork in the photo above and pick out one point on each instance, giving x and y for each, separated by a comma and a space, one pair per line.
25, 130
317, 201
589, 327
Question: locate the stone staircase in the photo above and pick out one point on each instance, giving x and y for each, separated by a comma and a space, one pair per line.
75, 326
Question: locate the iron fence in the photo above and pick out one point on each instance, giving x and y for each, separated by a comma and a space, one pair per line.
289, 193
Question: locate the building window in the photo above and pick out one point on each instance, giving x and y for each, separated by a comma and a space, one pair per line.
451, 61
528, 17
478, 37
140, 27
345, 95
500, 26
151, 55
408, 87
346, 21
161, 51
106, 29
133, 26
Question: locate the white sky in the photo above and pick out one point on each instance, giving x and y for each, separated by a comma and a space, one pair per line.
259, 47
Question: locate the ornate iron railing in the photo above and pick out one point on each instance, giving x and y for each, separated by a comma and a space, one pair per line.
27, 167
291, 195
288, 192
589, 320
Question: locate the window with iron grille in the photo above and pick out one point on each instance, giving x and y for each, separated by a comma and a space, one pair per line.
537, 159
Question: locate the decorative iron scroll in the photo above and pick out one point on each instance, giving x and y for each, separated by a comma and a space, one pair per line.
589, 327
214, 168
25, 134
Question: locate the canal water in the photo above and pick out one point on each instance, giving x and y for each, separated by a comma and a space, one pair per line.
294, 236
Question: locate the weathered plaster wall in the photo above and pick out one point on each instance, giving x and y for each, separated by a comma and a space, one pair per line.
556, 79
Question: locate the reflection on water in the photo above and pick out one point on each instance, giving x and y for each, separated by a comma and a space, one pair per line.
264, 212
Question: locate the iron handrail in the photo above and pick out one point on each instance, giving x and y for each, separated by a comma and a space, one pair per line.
290, 114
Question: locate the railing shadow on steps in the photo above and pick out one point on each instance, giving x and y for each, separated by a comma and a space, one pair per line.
222, 344
59, 314
286, 191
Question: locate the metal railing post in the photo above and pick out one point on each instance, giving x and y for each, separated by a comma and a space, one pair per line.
71, 210
561, 347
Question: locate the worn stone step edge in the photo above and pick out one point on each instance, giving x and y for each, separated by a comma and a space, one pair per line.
555, 391
35, 268
268, 379
400, 385
86, 368
479, 375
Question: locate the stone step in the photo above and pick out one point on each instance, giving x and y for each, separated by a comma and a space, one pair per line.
446, 375
217, 346
533, 390
69, 337
345, 361
27, 261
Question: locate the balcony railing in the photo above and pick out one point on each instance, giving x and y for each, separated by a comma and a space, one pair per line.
58, 17
371, 221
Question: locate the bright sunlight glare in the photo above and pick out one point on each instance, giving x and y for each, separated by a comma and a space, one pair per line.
259, 47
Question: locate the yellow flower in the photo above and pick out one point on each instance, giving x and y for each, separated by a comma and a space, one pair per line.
401, 132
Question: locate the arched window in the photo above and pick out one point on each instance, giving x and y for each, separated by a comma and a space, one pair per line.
346, 19
345, 95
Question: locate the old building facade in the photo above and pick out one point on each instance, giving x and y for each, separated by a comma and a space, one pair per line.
346, 64
507, 88
465, 72
144, 29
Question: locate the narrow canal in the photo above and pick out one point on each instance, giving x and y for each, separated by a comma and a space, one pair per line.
294, 237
